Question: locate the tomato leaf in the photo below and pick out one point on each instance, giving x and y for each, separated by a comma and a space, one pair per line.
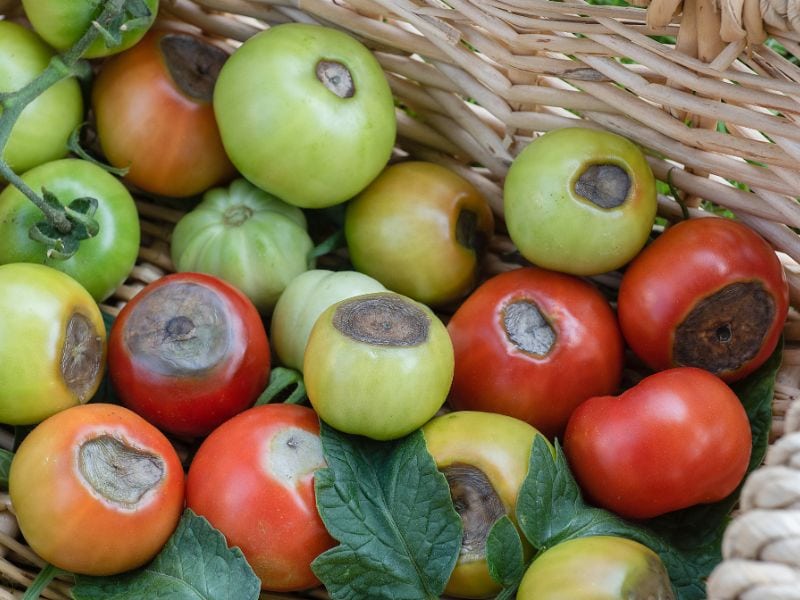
195, 564
505, 556
390, 509
5, 465
285, 385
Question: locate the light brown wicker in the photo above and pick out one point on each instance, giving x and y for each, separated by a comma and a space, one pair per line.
709, 88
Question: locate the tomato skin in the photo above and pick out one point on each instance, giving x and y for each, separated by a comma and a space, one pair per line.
269, 513
493, 374
37, 306
168, 139
686, 264
679, 437
102, 263
67, 522
168, 379
41, 132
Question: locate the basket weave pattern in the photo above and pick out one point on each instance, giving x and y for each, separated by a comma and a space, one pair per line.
716, 108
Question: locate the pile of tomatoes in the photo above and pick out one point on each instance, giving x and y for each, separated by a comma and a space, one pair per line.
298, 120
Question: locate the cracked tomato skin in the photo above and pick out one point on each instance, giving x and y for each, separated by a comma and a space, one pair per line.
253, 479
495, 374
678, 438
679, 271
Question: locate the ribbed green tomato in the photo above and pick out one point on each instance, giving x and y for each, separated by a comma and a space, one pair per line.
42, 130
304, 300
251, 239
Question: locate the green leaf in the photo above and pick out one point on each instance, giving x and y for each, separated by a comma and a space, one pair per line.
195, 564
5, 465
281, 381
505, 555
390, 509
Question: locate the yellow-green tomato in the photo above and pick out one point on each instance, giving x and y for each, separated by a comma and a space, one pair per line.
52, 343
41, 132
62, 23
580, 201
304, 300
251, 239
378, 365
596, 568
485, 458
421, 230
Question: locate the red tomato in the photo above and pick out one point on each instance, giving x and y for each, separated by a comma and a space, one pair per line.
253, 479
188, 352
707, 293
74, 508
153, 109
678, 438
533, 344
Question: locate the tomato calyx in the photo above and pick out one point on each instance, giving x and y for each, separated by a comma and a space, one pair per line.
527, 328
117, 471
193, 64
294, 453
604, 185
725, 329
382, 320
336, 77
81, 356
477, 503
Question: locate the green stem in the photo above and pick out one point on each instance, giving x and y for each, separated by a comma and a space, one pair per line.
43, 579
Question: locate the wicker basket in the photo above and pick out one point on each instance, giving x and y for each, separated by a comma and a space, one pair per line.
710, 89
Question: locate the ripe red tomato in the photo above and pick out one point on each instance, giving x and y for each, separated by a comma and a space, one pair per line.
707, 293
253, 479
678, 438
74, 508
188, 352
153, 109
533, 344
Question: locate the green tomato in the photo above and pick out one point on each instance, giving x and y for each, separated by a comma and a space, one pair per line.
62, 23
378, 365
52, 343
102, 263
247, 237
580, 201
41, 132
596, 568
306, 113
304, 300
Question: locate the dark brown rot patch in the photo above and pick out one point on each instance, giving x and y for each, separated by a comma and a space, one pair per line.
193, 64
606, 186
119, 473
527, 328
382, 320
468, 234
478, 504
81, 357
726, 329
336, 77
179, 329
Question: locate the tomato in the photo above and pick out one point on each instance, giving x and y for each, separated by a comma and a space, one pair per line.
52, 343
580, 201
533, 344
41, 132
305, 113
485, 458
707, 293
421, 230
253, 479
247, 237
152, 105
102, 263
61, 24
378, 365
678, 438
304, 300
188, 352
74, 508
611, 568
